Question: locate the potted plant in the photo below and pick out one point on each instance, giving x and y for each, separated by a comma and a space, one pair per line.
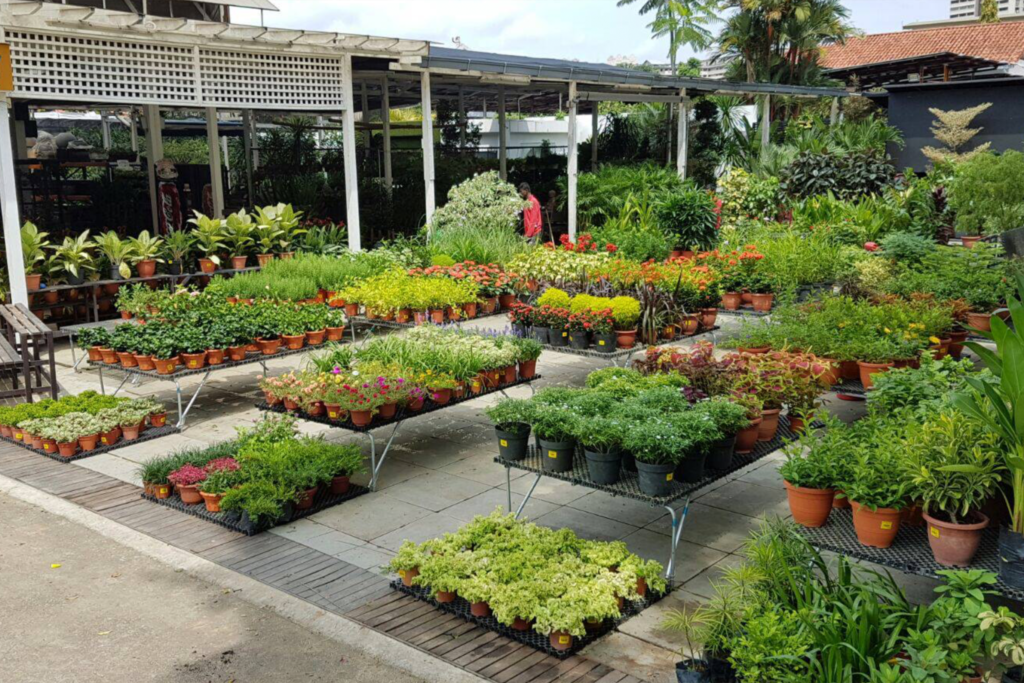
406, 562
73, 259
186, 480
238, 236
216, 485
625, 315
117, 252
177, 248
809, 477
512, 418
729, 418
145, 253
34, 243
208, 233
658, 446
339, 463
528, 352
953, 464
877, 495
554, 427
601, 438
874, 358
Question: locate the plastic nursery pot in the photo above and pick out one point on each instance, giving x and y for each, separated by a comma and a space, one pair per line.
810, 507
361, 418
541, 334
521, 624
437, 316
560, 640
969, 242
445, 597
875, 528
480, 609
688, 672
691, 469
212, 500
746, 439
490, 305
294, 342
848, 370
513, 441
798, 424
189, 495
558, 338
840, 502
708, 317
980, 321
954, 545
127, 359
869, 369
194, 361
604, 468
131, 432
762, 302
769, 424
215, 357
606, 343
556, 456
731, 301
6, 431
441, 396
625, 339
111, 437
721, 453
579, 341
387, 411
689, 325
207, 266
89, 443
158, 419
831, 376
145, 362
510, 375
268, 347
236, 353
407, 575
334, 334
956, 343
67, 450
94, 355
506, 301
340, 486
656, 480
109, 356
351, 310
306, 499
45, 445
469, 310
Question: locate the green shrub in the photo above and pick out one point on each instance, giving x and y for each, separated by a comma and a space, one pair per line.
987, 193
688, 217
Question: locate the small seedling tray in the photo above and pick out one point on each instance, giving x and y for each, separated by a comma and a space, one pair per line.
240, 523
460, 608
148, 435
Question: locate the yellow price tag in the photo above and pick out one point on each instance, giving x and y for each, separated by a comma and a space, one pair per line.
103, 439
668, 477
333, 416
887, 525
46, 446
504, 443
600, 342
164, 491
935, 532
564, 640
565, 334
18, 436
401, 572
553, 454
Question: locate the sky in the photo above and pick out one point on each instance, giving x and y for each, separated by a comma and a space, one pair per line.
586, 30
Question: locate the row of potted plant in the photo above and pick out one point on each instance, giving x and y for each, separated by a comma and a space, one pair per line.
79, 424
263, 477
428, 367
527, 577
581, 322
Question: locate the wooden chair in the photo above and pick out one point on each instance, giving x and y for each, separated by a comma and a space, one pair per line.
26, 353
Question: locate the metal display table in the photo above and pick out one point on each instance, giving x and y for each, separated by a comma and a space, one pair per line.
136, 375
375, 323
72, 330
150, 434
628, 485
623, 356
403, 414
850, 390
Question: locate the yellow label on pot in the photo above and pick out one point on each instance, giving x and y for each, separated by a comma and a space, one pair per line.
600, 342
103, 439
193, 363
333, 415
668, 477
565, 334
564, 640
887, 525
476, 386
504, 443
46, 446
553, 454
935, 532
164, 491
401, 572
19, 436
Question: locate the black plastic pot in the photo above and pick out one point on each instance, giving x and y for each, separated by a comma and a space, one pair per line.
604, 467
691, 469
579, 341
75, 280
115, 274
1014, 675
721, 454
540, 334
719, 669
685, 673
558, 338
556, 456
519, 330
513, 443
1011, 558
606, 343
174, 267
628, 462
656, 480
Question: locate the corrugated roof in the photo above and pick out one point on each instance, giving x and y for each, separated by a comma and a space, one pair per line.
1002, 42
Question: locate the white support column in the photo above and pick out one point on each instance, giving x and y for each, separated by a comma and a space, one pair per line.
9, 208
834, 115
226, 158
766, 123
154, 153
429, 182
683, 135
216, 171
502, 135
574, 162
105, 130
595, 123
365, 105
348, 131
133, 123
385, 117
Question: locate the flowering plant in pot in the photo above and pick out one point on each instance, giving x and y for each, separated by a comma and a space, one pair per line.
877, 495
953, 465
658, 446
555, 320
186, 480
361, 399
512, 418
601, 438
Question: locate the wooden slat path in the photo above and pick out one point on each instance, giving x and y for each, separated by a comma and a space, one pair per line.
323, 580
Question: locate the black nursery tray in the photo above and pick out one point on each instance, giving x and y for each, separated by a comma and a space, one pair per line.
249, 360
394, 325
428, 407
851, 388
909, 553
744, 312
149, 435
460, 608
628, 485
622, 353
235, 522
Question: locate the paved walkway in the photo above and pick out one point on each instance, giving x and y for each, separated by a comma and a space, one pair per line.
440, 474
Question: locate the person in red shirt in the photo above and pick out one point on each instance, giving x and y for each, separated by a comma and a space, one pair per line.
533, 220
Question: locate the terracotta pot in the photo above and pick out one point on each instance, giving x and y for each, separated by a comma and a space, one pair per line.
810, 507
236, 353
166, 366
641, 587
403, 316
340, 486
689, 325
746, 439
207, 266
88, 443
127, 359
840, 502
334, 411
875, 529
305, 502
264, 259
505, 301
755, 350
420, 317
239, 262
731, 301
388, 410
351, 310
161, 491
335, 334
268, 347
51, 296
869, 369
470, 309
94, 355
32, 282
109, 356
361, 418
41, 444
954, 545
387, 317
980, 321
145, 362
510, 375
528, 369
969, 242
6, 431
912, 516
445, 597
407, 575
131, 432
189, 495
290, 403
769, 424
441, 396
625, 339
762, 302
146, 268
67, 450
708, 318
194, 361
437, 316
490, 305
848, 370
158, 420
212, 500
956, 343
111, 437
798, 424
294, 342
831, 374
560, 640
480, 609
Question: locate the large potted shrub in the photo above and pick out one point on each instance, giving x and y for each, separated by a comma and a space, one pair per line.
512, 418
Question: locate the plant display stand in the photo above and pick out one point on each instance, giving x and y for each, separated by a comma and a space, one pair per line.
151, 434
622, 357
850, 390
377, 323
72, 330
241, 522
744, 313
460, 608
677, 503
136, 376
909, 553
396, 422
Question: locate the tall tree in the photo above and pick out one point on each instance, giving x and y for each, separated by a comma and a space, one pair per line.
989, 12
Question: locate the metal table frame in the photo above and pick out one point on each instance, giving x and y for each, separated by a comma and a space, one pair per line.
622, 357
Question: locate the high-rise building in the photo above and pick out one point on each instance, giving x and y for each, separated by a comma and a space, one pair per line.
971, 9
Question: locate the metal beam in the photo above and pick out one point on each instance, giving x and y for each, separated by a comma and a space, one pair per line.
766, 123
428, 146
574, 163
385, 117
348, 124
10, 212
216, 171
683, 136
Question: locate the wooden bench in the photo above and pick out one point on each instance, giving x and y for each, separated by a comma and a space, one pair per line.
26, 353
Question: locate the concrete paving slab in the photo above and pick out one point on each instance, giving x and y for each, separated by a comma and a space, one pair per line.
436, 490
625, 510
112, 466
368, 557
586, 525
747, 499
712, 527
369, 517
146, 451
432, 526
486, 502
691, 559
548, 489
301, 530
641, 659
481, 468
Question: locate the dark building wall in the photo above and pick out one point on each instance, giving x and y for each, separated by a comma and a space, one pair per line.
1003, 122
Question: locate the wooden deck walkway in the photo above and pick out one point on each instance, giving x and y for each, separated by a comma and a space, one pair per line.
323, 580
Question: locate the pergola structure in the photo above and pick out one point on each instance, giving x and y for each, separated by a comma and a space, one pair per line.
101, 58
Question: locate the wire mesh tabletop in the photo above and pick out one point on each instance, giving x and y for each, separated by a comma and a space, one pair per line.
618, 354
852, 388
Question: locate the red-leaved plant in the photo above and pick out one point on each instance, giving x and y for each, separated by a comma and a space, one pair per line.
188, 475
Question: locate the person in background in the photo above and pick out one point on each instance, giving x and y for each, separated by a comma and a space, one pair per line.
533, 221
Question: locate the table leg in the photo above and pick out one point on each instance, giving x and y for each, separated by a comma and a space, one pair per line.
508, 487
183, 415
377, 465
678, 522
529, 494
123, 381
74, 358
103, 389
